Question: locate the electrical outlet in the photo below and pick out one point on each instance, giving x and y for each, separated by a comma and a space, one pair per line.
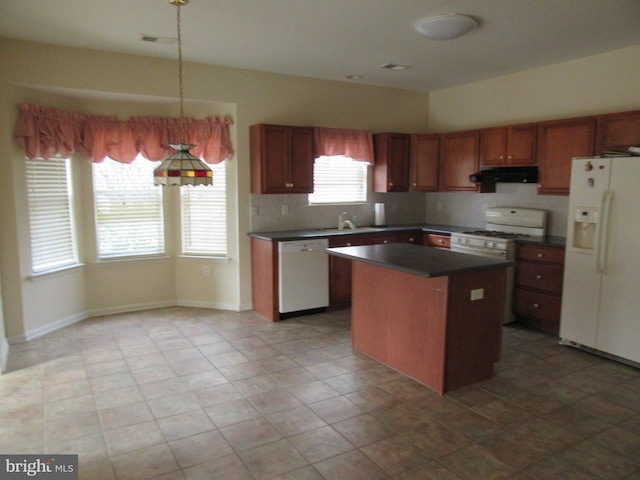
477, 294
206, 271
254, 211
284, 209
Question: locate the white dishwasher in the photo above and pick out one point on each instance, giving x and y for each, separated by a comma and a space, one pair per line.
303, 278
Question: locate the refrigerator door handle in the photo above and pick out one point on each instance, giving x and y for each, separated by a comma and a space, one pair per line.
601, 263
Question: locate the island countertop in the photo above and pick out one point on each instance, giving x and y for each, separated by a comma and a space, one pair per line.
418, 260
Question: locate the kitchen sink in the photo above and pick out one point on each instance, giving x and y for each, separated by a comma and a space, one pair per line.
349, 230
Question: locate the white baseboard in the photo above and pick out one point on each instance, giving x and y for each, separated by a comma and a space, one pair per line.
38, 332
215, 305
129, 308
50, 327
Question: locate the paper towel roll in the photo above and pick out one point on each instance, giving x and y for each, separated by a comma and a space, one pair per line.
380, 219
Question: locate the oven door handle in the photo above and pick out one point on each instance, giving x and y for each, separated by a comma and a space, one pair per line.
478, 251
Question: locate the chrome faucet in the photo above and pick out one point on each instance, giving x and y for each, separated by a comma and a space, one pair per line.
342, 222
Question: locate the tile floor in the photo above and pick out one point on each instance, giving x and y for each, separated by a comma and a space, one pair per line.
185, 393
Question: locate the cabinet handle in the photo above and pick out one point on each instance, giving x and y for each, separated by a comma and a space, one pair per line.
535, 305
385, 241
391, 184
540, 255
538, 277
501, 157
415, 184
348, 244
411, 240
509, 157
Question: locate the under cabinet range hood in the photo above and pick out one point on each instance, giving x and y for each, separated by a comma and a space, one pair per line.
505, 175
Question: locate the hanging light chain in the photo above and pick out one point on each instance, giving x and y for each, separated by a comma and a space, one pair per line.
178, 4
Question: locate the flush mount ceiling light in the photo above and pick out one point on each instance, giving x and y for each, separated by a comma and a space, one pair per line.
182, 168
445, 27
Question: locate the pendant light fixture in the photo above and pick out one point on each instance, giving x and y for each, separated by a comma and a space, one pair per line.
182, 168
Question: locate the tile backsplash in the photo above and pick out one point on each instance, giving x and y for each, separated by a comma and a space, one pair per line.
293, 212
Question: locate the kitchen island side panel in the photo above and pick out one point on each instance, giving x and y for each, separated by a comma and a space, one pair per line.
400, 320
474, 327
264, 278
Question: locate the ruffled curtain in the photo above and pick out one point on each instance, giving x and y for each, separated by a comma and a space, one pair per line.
356, 144
44, 132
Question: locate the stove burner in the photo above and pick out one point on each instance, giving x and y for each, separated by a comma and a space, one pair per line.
496, 234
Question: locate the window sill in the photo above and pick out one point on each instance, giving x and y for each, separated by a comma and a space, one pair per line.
203, 259
108, 262
35, 277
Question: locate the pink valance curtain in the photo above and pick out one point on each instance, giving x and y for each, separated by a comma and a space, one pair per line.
357, 144
44, 132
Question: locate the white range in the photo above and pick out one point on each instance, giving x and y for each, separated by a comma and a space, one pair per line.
504, 225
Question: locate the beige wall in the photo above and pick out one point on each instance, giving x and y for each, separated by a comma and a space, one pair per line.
99, 82
592, 85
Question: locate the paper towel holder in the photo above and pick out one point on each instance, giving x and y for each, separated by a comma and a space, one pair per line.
380, 220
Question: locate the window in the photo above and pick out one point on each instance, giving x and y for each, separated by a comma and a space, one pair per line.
204, 216
338, 179
128, 209
51, 223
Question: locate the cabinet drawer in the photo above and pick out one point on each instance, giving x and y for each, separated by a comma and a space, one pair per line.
541, 276
540, 254
442, 241
537, 305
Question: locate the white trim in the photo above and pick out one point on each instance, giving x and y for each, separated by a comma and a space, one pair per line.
203, 259
36, 277
111, 261
4, 354
50, 327
129, 308
213, 305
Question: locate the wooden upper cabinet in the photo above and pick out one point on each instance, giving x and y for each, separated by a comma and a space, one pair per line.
424, 163
505, 146
391, 169
460, 151
558, 142
281, 159
618, 130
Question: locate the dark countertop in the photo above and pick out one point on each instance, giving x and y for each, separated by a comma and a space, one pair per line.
291, 235
417, 260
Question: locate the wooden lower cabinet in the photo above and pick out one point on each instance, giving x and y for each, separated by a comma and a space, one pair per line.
538, 286
436, 240
340, 269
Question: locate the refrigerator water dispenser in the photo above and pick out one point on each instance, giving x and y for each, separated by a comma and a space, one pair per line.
585, 221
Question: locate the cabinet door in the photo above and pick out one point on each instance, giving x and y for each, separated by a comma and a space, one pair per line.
269, 158
521, 145
391, 170
502, 146
558, 143
424, 164
300, 160
493, 147
340, 270
619, 130
459, 160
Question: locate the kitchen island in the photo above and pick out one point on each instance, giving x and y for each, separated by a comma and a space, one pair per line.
431, 314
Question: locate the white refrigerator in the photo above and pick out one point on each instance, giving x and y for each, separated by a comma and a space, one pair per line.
601, 292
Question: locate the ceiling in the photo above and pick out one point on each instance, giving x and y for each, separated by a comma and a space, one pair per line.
333, 39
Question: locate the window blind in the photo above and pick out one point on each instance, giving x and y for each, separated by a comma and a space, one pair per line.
204, 216
338, 179
50, 198
128, 209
